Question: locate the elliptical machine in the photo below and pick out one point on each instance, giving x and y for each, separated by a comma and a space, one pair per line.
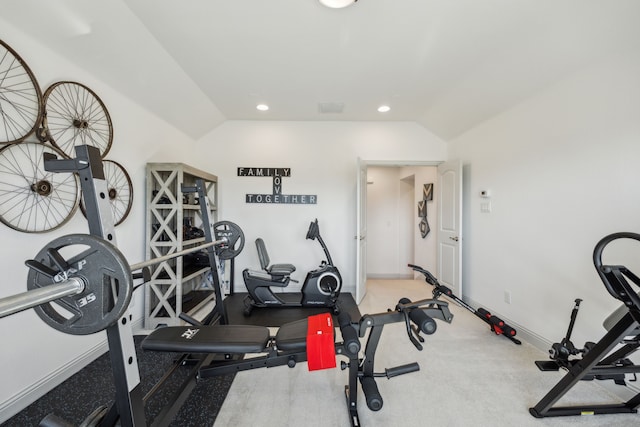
321, 286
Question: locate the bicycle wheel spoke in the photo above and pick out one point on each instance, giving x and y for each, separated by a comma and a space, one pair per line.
31, 199
76, 116
120, 191
20, 97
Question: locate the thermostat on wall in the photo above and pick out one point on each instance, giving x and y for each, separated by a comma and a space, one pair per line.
485, 194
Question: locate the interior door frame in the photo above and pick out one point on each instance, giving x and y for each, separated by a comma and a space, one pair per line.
449, 238
361, 262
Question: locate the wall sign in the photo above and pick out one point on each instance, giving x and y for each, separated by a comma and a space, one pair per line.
427, 195
276, 197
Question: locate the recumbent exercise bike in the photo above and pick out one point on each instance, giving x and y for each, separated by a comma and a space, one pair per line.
321, 286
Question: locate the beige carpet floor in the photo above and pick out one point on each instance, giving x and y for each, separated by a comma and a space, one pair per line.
468, 377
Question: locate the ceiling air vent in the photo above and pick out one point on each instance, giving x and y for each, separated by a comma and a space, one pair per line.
330, 107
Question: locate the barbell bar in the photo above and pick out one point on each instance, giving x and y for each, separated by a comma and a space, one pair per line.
91, 289
73, 285
29, 299
153, 261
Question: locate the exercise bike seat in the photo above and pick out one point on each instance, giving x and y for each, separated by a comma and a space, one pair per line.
276, 270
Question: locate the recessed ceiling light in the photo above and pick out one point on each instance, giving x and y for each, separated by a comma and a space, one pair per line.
337, 4
262, 107
384, 108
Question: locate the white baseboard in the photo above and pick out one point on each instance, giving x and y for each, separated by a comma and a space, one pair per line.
523, 333
35, 391
390, 276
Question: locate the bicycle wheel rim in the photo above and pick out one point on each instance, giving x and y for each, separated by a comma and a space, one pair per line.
33, 200
20, 97
75, 115
119, 189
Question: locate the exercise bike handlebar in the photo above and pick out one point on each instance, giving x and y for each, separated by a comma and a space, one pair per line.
314, 234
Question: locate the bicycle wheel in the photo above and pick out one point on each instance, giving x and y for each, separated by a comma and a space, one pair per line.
74, 115
33, 200
20, 97
120, 191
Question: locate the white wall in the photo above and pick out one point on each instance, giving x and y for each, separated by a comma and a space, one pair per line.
323, 158
563, 172
31, 351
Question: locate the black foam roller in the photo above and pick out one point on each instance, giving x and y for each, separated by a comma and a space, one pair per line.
349, 333
371, 393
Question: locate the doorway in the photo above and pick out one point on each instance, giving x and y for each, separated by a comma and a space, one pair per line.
448, 203
393, 232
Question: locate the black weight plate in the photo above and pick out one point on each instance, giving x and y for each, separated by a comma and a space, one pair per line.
235, 239
108, 284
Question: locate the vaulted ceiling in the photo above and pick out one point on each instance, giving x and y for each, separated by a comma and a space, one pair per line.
446, 64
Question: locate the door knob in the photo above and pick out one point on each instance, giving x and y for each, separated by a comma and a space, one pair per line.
455, 239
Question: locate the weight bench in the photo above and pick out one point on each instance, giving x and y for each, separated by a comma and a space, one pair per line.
311, 340
227, 339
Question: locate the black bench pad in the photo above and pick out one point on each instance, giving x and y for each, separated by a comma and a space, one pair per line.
292, 336
208, 339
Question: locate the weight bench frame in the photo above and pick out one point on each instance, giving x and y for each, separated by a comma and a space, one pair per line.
359, 368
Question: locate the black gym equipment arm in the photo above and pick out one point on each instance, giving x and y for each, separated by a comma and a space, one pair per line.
497, 325
374, 323
572, 322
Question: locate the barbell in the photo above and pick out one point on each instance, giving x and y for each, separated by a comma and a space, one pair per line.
80, 284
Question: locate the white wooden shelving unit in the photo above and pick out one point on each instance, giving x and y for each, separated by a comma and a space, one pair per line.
175, 285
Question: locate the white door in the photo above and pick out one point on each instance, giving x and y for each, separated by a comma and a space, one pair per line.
361, 232
450, 226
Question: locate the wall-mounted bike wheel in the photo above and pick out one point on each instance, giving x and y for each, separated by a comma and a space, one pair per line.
33, 200
74, 115
20, 97
120, 191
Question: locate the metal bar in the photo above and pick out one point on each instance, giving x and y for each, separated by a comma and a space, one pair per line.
154, 261
209, 234
19, 302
